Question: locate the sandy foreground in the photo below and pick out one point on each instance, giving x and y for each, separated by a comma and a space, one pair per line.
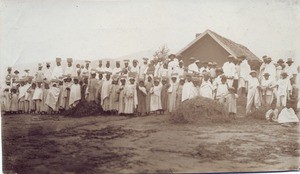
116, 144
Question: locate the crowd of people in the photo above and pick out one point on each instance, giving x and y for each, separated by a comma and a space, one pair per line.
152, 86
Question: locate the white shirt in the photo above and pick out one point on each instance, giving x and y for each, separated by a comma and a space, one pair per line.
284, 85
271, 69
57, 72
70, 70
244, 69
116, 71
193, 68
48, 73
291, 70
229, 69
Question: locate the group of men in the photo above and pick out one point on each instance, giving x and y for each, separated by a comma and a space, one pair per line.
159, 85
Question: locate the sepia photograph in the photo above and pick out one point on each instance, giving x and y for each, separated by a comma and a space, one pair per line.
132, 86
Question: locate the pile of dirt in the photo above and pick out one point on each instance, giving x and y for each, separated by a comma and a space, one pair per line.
200, 109
259, 113
84, 109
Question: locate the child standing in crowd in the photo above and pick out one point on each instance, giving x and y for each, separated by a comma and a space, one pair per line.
14, 101
164, 95
114, 95
37, 97
156, 96
172, 91
179, 91
222, 90
272, 114
105, 91
21, 97
122, 95
253, 98
231, 103
130, 96
141, 98
75, 93
148, 86
44, 107
6, 98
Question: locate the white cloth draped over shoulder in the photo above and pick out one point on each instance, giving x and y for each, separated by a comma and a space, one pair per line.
75, 94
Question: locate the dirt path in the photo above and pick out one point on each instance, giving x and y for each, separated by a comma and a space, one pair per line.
41, 144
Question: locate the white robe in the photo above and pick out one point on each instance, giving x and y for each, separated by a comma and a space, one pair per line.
70, 71
271, 69
253, 97
38, 94
117, 71
75, 94
229, 69
155, 98
130, 98
222, 91
206, 89
52, 97
291, 70
193, 68
244, 71
287, 116
48, 73
189, 91
172, 96
57, 72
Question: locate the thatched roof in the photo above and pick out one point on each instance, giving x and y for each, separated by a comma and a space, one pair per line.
231, 47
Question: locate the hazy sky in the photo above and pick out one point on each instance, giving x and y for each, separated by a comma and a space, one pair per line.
42, 30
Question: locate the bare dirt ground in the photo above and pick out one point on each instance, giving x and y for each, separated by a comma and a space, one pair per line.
115, 144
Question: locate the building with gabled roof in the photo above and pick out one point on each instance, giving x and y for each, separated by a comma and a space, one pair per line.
211, 47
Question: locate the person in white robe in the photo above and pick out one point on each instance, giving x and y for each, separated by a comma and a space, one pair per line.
193, 67
143, 67
287, 116
75, 93
130, 96
70, 70
253, 96
105, 91
262, 67
38, 96
188, 89
179, 69
155, 97
121, 95
6, 97
48, 71
163, 72
270, 68
267, 89
85, 71
206, 88
100, 67
244, 71
221, 90
53, 96
279, 68
284, 90
172, 92
135, 68
229, 70
172, 65
57, 71
291, 70
21, 96
117, 70
107, 68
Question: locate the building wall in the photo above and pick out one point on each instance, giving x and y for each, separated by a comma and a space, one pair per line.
206, 50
